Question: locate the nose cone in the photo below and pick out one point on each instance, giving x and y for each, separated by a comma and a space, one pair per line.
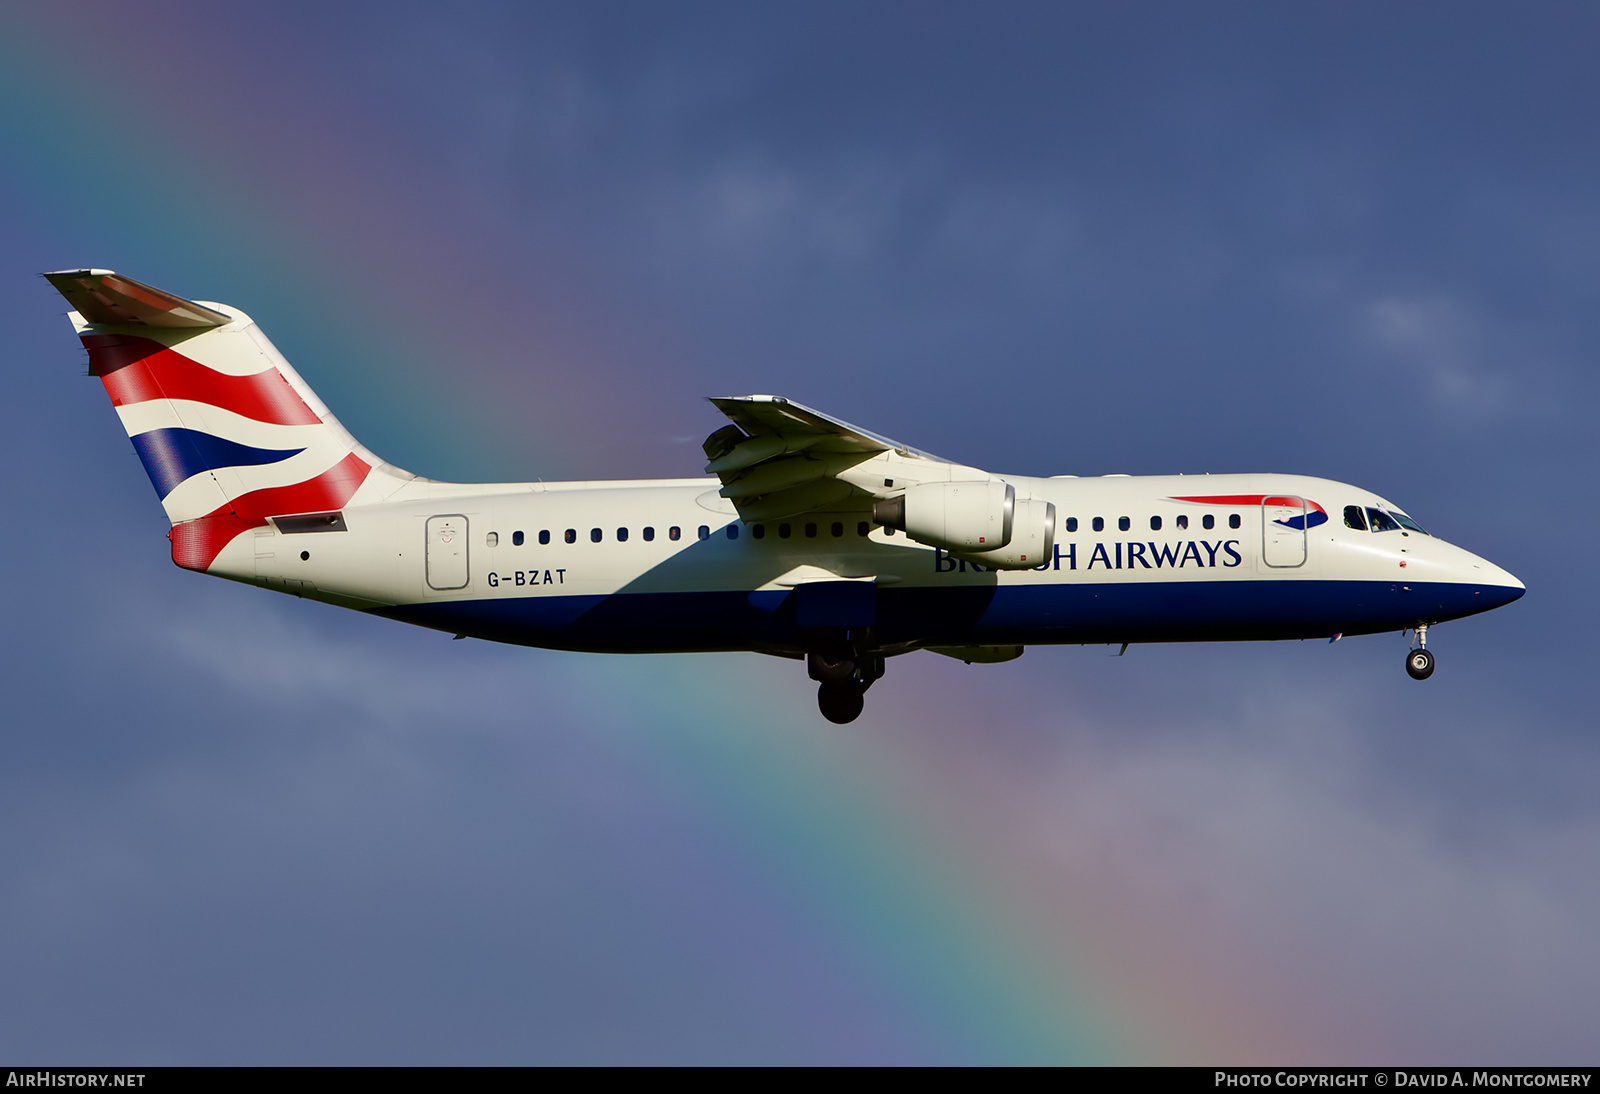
1465, 583
1499, 587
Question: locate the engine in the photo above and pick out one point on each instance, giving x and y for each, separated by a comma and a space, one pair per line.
979, 521
1033, 537
958, 516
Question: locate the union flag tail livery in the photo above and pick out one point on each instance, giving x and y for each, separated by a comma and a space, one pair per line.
227, 431
810, 538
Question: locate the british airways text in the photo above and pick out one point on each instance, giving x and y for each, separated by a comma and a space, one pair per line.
1120, 556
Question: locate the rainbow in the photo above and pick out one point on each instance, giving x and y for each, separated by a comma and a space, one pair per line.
903, 844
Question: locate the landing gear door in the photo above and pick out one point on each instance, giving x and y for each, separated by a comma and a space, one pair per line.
447, 552
1283, 531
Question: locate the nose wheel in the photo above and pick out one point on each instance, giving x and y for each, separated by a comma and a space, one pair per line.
1419, 662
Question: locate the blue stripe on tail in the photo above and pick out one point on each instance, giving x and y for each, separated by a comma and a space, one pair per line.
172, 455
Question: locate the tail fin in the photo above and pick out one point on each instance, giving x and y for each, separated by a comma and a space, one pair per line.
227, 431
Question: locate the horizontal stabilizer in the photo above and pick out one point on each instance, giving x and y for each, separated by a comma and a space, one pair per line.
104, 298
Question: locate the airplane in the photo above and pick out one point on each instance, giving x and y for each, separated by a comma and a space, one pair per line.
806, 538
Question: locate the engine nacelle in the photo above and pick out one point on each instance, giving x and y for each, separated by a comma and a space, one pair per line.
1033, 538
958, 516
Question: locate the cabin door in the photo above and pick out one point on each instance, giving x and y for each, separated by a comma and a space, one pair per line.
447, 552
1283, 531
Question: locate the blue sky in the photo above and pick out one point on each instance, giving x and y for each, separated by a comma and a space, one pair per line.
507, 241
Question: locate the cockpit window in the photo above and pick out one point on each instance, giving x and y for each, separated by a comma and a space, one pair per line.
1353, 518
1407, 522
1381, 521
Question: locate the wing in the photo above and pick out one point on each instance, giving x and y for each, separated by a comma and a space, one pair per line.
780, 459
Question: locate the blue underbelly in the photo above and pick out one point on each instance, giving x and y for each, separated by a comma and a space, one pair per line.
967, 615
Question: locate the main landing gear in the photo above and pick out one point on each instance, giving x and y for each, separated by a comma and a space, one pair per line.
841, 701
1419, 662
843, 677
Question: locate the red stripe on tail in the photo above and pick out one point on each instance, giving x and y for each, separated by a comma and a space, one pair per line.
136, 370
197, 543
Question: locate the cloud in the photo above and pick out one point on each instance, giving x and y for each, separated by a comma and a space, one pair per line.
1463, 366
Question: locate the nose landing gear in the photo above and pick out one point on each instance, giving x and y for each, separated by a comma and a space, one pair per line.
843, 676
1419, 662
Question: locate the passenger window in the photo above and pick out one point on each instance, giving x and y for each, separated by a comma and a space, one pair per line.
544, 536
622, 535
1381, 521
674, 532
1208, 522
863, 528
493, 539
837, 529
1233, 520
1123, 524
1155, 524
1353, 518
783, 531
594, 535
1183, 520
649, 533
1099, 524
1072, 524
516, 539
705, 532
571, 535
759, 531
811, 531
733, 531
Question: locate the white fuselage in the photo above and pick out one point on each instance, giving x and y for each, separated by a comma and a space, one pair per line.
595, 565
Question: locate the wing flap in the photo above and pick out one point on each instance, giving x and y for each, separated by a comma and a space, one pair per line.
774, 475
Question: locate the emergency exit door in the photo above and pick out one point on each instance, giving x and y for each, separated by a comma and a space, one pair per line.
447, 552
